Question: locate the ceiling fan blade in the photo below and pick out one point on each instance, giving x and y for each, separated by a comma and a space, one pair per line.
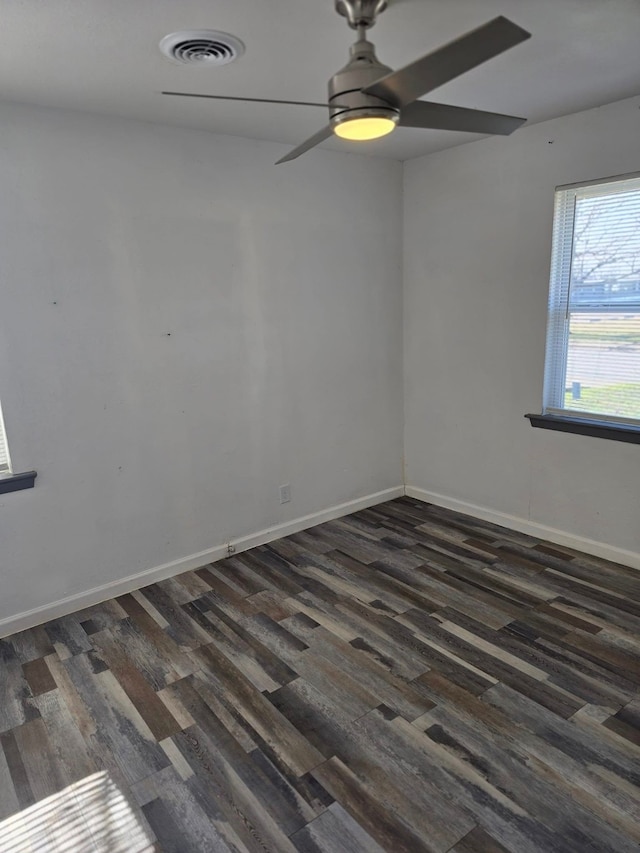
436, 68
251, 100
314, 140
443, 117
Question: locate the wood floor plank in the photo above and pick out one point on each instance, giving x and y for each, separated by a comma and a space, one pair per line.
498, 667
68, 637
315, 717
102, 616
334, 831
120, 728
30, 645
182, 822
70, 749
17, 771
237, 575
184, 631
155, 714
478, 841
361, 669
169, 829
574, 739
384, 826
227, 757
404, 776
234, 635
252, 810
260, 714
38, 676
565, 772
46, 775
554, 806
156, 654
9, 803
17, 705
269, 603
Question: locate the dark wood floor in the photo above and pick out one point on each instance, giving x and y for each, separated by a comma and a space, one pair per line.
404, 679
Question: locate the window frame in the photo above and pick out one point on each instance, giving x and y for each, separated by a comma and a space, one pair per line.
4, 448
10, 481
559, 313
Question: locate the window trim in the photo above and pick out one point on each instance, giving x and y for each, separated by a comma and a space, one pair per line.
9, 480
17, 482
610, 179
7, 468
558, 314
587, 426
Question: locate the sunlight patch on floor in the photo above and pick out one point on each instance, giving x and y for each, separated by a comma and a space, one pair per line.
90, 815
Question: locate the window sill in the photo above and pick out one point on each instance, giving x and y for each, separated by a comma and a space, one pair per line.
582, 426
17, 482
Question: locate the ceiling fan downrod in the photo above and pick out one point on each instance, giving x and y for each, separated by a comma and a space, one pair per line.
361, 14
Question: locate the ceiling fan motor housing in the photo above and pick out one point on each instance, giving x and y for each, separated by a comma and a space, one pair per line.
361, 13
345, 87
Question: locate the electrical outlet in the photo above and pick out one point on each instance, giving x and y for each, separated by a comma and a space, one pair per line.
285, 493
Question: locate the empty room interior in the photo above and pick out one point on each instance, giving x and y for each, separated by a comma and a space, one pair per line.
320, 389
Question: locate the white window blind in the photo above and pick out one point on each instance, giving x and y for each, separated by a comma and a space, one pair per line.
5, 461
593, 333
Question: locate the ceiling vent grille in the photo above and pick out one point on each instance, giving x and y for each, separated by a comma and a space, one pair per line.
201, 47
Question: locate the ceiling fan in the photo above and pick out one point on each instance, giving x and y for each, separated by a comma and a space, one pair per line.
368, 100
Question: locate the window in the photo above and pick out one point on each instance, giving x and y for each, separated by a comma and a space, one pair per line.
9, 481
5, 461
592, 370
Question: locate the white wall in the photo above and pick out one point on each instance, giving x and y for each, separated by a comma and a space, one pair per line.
183, 328
478, 223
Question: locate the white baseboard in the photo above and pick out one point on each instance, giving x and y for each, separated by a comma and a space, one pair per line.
65, 606
532, 528
96, 595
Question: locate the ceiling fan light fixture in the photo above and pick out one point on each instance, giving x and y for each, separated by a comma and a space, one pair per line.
362, 126
363, 129
366, 98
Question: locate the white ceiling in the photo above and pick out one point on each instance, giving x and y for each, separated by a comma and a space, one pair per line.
102, 56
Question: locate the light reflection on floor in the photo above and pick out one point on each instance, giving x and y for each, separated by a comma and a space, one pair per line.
90, 815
